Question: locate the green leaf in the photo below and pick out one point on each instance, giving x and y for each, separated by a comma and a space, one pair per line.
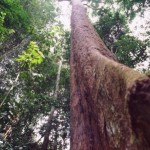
32, 56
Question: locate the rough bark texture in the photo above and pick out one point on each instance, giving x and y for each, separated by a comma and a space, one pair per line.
109, 101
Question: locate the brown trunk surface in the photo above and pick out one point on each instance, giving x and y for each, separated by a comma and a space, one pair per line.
110, 103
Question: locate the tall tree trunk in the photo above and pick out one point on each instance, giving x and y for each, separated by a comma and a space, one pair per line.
110, 103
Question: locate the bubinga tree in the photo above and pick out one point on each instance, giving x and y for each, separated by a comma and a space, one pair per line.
27, 84
109, 101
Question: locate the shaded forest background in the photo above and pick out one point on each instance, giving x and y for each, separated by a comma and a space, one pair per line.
33, 44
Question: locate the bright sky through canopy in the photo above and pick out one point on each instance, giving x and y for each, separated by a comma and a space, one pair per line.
65, 10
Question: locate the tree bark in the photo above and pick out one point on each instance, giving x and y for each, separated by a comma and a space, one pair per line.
109, 101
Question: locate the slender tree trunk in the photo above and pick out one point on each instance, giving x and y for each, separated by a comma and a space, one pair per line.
48, 129
110, 103
48, 125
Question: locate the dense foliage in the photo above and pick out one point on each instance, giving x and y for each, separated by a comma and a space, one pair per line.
114, 17
113, 29
29, 67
